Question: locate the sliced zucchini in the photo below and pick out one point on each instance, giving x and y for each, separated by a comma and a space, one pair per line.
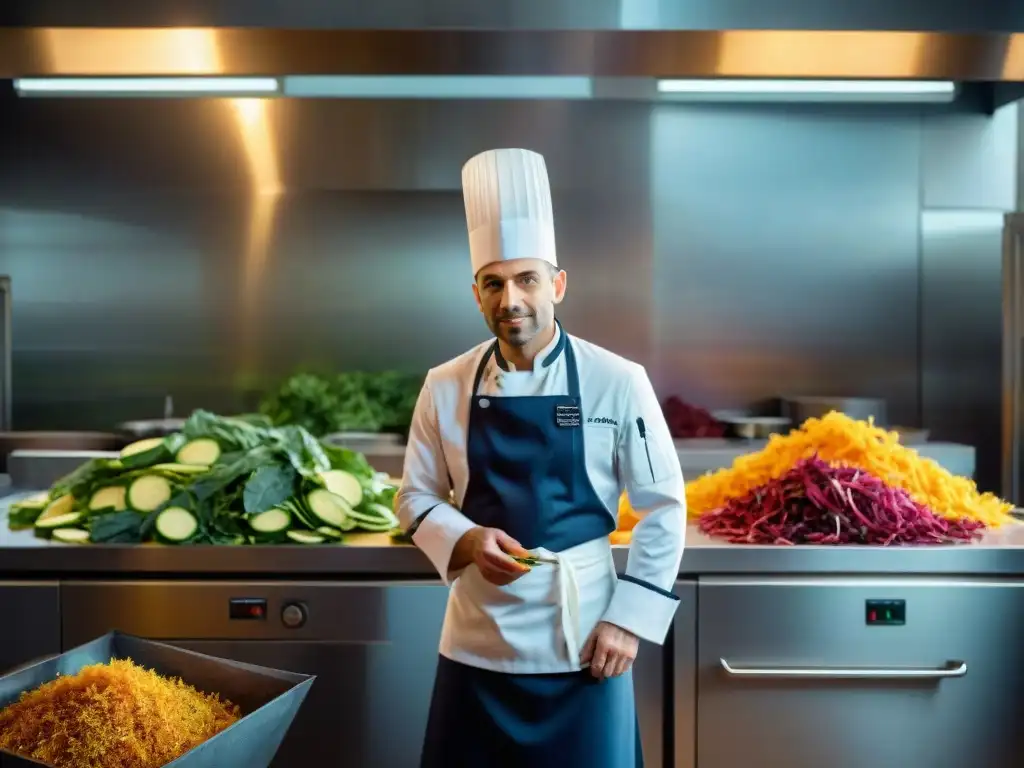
23, 514
203, 451
329, 533
142, 453
383, 512
328, 507
59, 507
111, 497
376, 526
273, 521
305, 537
181, 469
35, 501
148, 492
72, 535
176, 525
344, 484
300, 514
67, 520
372, 516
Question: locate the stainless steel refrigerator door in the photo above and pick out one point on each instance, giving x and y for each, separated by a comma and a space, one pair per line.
1013, 357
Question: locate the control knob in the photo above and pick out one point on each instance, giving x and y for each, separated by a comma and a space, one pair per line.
293, 615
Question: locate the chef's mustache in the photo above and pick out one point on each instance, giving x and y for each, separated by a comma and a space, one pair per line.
512, 315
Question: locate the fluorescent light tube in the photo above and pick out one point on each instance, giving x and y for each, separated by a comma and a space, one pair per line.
146, 86
931, 91
438, 87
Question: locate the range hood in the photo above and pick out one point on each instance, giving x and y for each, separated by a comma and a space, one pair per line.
622, 47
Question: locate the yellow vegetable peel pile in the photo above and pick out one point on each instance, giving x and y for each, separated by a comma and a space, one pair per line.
838, 439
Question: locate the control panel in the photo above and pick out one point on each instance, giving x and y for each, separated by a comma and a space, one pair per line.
293, 612
885, 613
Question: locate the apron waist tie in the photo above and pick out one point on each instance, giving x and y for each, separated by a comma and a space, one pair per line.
569, 591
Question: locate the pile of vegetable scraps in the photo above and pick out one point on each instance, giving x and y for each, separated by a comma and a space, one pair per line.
842, 441
816, 503
116, 715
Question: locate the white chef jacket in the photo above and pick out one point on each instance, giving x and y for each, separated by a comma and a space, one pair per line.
614, 393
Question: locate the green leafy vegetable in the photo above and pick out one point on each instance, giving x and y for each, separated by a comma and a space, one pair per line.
259, 468
354, 401
268, 487
117, 528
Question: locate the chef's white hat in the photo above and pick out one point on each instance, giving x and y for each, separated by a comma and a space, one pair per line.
508, 207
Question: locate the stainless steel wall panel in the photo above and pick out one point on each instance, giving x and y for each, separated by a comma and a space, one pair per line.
737, 252
128, 230
786, 255
961, 332
969, 178
970, 161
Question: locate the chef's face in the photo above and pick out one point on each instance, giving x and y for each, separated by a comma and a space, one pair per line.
518, 298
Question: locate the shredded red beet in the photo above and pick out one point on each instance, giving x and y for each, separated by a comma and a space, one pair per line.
815, 503
686, 420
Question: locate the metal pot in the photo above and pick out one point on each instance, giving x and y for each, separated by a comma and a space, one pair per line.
57, 441
139, 430
749, 427
799, 409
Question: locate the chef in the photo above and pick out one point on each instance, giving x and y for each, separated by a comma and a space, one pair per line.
520, 448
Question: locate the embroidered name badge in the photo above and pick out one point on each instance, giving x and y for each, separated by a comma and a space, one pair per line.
567, 415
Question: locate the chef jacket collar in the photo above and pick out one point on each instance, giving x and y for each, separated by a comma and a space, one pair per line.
547, 356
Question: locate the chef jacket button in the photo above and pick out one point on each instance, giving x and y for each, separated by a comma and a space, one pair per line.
485, 403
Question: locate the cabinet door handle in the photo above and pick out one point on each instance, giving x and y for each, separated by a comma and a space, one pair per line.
951, 669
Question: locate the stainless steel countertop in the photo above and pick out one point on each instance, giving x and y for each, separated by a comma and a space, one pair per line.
371, 556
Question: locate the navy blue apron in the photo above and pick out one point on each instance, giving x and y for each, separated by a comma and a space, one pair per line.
526, 453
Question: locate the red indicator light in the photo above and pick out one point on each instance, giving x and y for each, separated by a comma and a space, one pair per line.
873, 616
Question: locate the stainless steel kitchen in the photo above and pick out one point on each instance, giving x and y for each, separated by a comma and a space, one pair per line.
228, 238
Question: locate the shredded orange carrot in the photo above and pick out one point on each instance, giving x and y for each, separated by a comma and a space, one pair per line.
838, 439
628, 518
116, 715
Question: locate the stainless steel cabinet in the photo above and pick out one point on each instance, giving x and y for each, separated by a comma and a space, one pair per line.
649, 675
853, 673
372, 647
683, 665
31, 610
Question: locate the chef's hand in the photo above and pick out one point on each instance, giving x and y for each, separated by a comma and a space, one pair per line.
490, 550
609, 650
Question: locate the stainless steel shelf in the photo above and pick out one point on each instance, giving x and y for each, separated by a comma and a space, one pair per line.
1001, 553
